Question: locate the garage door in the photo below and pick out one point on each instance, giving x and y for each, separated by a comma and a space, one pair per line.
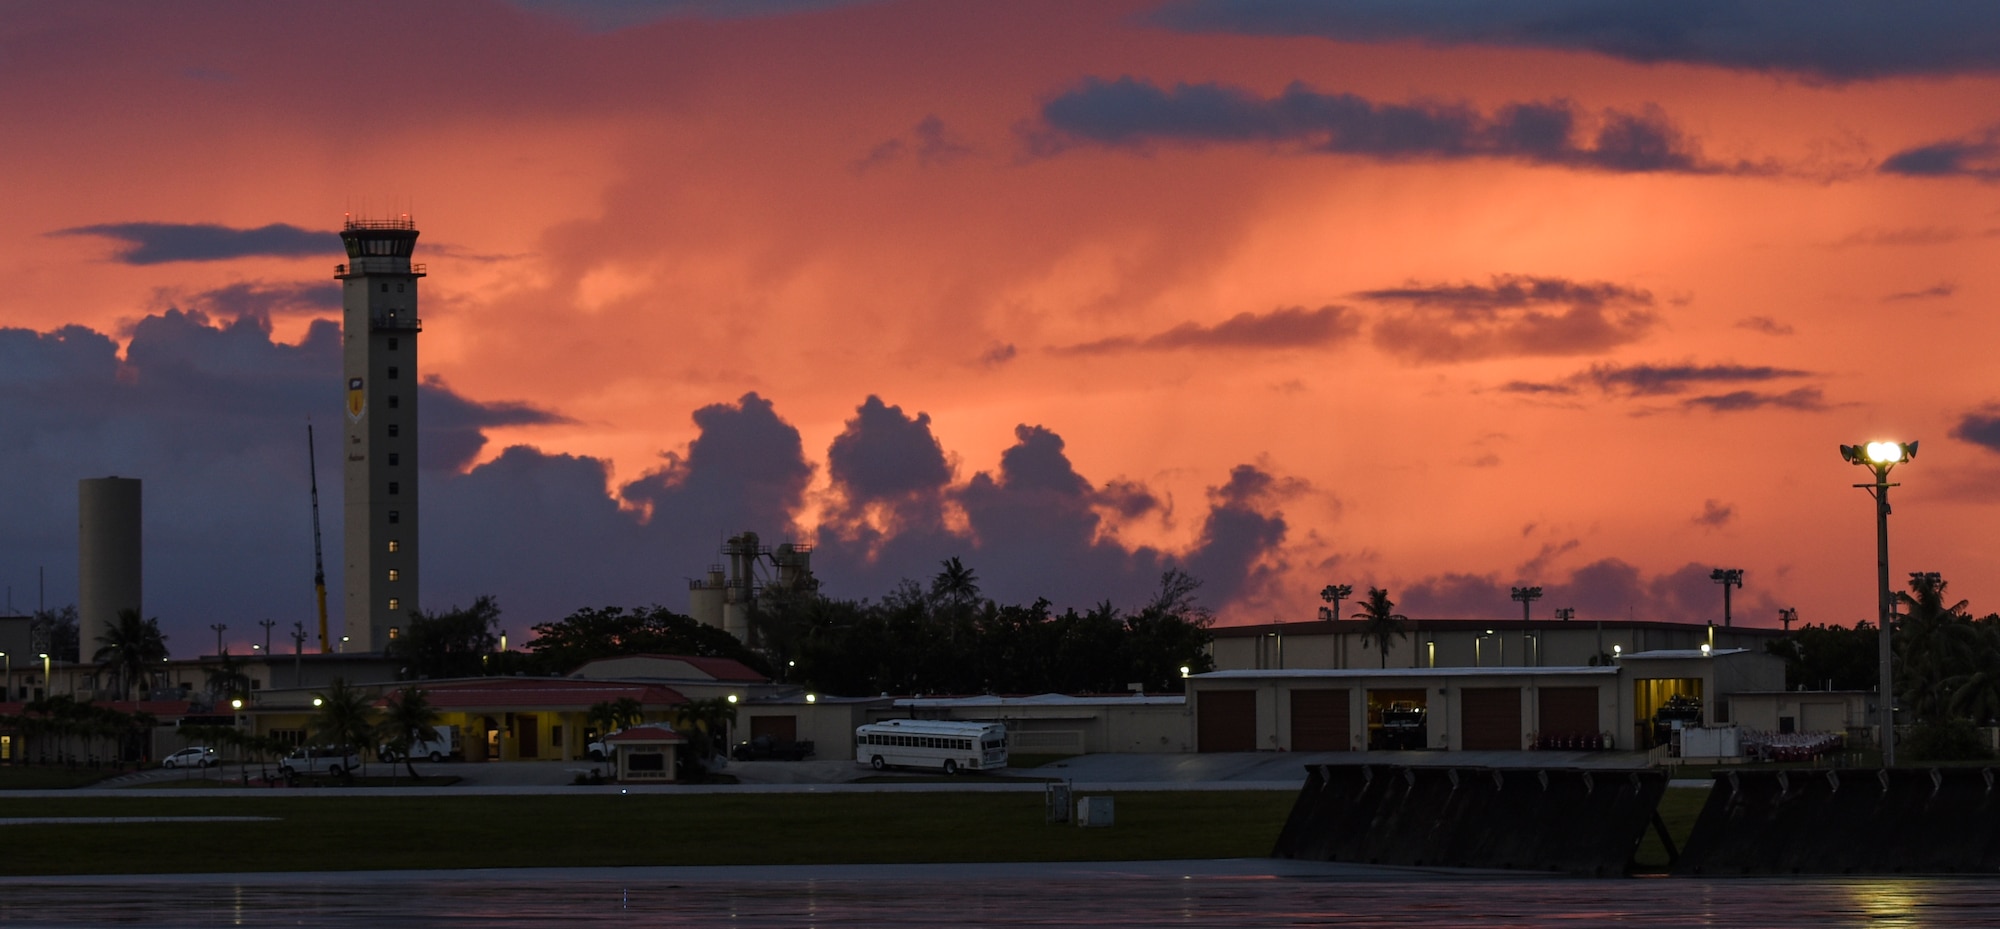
1226, 721
779, 728
1823, 717
1319, 721
1490, 718
1568, 711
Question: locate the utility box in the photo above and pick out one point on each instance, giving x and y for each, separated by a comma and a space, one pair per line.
1055, 799
1094, 811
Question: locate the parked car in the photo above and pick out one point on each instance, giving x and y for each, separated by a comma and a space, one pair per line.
319, 759
199, 756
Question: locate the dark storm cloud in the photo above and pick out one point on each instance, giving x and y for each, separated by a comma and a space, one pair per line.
1844, 40
1808, 399
1034, 527
1981, 427
1653, 380
746, 470
1607, 588
159, 243
886, 457
454, 428
1976, 156
1511, 316
1129, 112
212, 416
260, 298
1287, 327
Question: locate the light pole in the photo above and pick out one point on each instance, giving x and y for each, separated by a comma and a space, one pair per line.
267, 624
1526, 596
9, 697
1880, 457
1727, 577
48, 685
298, 648
218, 627
1334, 593
1787, 616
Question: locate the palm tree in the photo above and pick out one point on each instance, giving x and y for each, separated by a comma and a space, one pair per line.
130, 649
627, 712
345, 717
1380, 621
1938, 646
411, 719
956, 584
703, 723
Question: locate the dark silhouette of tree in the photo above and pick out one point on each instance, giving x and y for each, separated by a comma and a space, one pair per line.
592, 633
1938, 646
955, 584
1380, 622
345, 718
1819, 657
455, 643
705, 725
56, 631
227, 679
408, 718
130, 650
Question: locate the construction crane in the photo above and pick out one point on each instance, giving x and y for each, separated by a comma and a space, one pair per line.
319, 564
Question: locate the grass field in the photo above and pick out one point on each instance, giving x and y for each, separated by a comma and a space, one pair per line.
360, 833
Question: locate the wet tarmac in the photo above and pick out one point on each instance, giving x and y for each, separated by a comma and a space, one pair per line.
1102, 895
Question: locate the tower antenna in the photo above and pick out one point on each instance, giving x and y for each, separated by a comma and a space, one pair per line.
319, 566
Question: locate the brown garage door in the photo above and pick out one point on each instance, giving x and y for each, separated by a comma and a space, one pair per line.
1226, 721
779, 728
1569, 711
1490, 718
1319, 721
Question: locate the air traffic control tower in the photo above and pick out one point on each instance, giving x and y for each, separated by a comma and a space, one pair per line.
379, 294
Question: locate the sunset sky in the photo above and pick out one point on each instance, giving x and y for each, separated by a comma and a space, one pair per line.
1427, 295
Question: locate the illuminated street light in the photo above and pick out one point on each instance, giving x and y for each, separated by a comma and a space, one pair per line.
1880, 457
48, 686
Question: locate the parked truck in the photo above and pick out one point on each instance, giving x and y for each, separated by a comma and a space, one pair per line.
446, 745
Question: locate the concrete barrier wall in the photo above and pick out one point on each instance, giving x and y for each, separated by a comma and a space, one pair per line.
1848, 821
1577, 821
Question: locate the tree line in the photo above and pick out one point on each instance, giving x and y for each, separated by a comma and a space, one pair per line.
940, 638
1946, 667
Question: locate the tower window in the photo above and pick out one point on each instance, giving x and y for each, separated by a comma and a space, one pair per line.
395, 516
385, 287
394, 342
395, 546
392, 430
395, 575
392, 372
395, 632
399, 287
395, 604
395, 488
393, 459
394, 401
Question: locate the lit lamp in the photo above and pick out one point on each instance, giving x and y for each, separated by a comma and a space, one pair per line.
1880, 457
48, 686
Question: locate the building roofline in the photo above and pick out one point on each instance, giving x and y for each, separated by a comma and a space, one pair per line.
1350, 626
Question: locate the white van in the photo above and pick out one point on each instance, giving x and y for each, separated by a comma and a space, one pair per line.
444, 746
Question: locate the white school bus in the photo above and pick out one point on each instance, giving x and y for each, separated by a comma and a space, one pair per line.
948, 746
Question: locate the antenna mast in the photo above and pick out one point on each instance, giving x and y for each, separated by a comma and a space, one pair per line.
319, 566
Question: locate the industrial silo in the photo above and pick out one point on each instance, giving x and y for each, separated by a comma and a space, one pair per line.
107, 556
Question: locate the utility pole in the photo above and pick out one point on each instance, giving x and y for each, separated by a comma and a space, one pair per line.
267, 624
218, 627
298, 646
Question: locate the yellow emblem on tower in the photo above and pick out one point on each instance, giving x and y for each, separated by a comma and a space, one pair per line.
357, 402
